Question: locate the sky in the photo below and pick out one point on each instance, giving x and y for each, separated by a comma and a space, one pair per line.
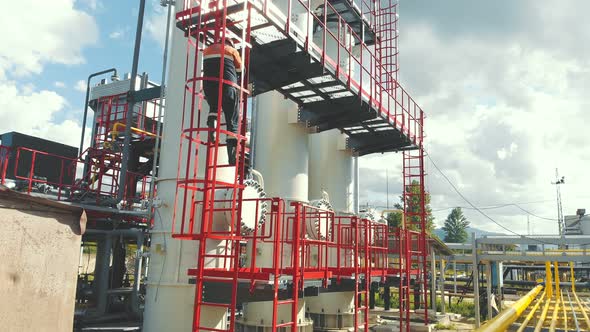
503, 84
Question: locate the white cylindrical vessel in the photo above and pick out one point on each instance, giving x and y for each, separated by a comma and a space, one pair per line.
331, 170
281, 153
170, 298
281, 148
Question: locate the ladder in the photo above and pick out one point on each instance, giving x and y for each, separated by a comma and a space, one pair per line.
414, 256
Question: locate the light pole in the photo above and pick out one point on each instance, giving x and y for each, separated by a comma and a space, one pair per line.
560, 222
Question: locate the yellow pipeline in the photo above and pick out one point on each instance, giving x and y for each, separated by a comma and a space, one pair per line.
531, 314
543, 315
555, 313
556, 276
137, 130
548, 282
583, 310
572, 276
510, 315
564, 312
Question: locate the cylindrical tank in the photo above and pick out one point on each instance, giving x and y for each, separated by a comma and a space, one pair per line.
281, 153
170, 298
331, 170
281, 147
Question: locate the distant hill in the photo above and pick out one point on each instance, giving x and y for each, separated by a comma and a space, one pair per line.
478, 232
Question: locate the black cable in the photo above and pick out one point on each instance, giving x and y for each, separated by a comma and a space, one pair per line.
478, 209
493, 207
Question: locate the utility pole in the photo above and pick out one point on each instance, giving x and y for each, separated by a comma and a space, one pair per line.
528, 224
387, 186
560, 222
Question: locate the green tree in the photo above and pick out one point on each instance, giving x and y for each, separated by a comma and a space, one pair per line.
455, 227
412, 219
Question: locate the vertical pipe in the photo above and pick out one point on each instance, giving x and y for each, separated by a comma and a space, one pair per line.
433, 280
455, 276
573, 278
129, 122
442, 285
475, 272
548, 283
489, 288
114, 71
159, 119
101, 272
556, 277
500, 286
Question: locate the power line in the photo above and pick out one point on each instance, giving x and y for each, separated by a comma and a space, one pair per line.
478, 209
499, 206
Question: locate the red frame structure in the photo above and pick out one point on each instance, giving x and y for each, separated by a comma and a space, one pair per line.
101, 161
287, 227
4, 158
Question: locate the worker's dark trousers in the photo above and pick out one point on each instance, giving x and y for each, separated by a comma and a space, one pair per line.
230, 105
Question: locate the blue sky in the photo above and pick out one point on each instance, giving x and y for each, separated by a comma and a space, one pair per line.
116, 21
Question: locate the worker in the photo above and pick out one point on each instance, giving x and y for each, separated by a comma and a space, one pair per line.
230, 95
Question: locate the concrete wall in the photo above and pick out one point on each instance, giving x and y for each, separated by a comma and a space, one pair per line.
39, 254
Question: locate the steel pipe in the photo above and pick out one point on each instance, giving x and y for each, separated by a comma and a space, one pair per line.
510, 315
573, 311
583, 310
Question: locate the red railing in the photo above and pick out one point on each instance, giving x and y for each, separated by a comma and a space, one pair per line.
367, 76
4, 159
67, 172
97, 181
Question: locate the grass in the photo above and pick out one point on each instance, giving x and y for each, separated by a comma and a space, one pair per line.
440, 326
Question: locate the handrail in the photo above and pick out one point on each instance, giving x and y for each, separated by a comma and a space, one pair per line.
510, 315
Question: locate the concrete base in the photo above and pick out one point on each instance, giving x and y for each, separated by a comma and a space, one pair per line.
394, 327
334, 322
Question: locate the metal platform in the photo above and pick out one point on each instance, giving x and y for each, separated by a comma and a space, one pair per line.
286, 59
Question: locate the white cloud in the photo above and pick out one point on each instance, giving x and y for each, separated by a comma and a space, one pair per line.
155, 24
81, 85
32, 113
506, 105
93, 4
42, 32
116, 34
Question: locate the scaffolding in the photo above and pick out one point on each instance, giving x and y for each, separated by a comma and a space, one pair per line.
338, 62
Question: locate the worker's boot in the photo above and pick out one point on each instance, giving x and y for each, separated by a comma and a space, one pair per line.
212, 124
231, 151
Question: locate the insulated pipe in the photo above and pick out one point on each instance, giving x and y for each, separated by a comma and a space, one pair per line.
160, 106
510, 315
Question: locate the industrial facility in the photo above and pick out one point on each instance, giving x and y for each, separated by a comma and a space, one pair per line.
226, 197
